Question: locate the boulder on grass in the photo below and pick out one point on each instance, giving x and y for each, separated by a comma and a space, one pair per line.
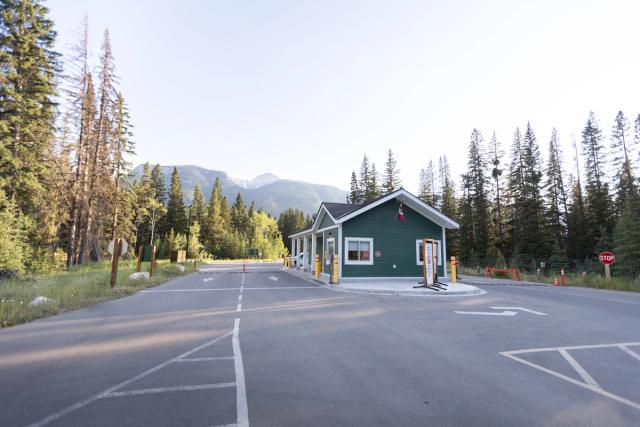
39, 301
180, 267
141, 275
8, 274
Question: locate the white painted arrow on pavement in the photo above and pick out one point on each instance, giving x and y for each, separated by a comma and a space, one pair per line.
538, 313
489, 313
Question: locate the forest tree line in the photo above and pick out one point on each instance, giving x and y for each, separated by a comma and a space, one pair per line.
215, 228
522, 209
65, 184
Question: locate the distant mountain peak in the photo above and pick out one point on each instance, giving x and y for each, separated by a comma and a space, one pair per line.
269, 192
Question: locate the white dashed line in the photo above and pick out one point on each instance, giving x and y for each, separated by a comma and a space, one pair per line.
204, 359
168, 389
158, 291
241, 390
110, 390
208, 279
239, 308
240, 297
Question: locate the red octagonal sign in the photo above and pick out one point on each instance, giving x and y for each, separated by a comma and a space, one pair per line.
607, 258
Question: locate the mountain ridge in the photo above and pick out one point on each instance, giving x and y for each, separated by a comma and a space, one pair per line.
267, 191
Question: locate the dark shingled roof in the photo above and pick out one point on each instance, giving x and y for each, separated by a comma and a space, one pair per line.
338, 210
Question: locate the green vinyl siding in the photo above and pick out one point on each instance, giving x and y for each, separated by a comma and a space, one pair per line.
394, 239
326, 221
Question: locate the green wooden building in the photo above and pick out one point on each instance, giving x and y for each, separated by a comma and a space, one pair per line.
380, 239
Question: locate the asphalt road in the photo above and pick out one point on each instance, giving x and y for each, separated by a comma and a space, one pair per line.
268, 349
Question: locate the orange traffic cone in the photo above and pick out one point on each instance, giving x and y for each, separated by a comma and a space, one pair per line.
555, 280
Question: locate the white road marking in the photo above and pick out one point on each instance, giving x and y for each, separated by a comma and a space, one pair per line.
240, 297
629, 352
488, 313
239, 308
242, 279
208, 279
204, 359
539, 313
241, 390
168, 389
274, 278
226, 425
102, 394
578, 368
241, 288
571, 347
563, 351
157, 291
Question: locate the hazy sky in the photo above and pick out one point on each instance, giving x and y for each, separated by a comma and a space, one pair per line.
303, 89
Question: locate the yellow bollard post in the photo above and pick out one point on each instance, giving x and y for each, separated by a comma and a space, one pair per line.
334, 272
318, 266
454, 269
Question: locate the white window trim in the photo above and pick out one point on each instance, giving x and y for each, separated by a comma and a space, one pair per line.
439, 254
358, 239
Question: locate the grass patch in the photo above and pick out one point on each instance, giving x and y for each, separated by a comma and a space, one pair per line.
595, 281
79, 287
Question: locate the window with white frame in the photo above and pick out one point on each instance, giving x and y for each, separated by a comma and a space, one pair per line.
419, 252
359, 251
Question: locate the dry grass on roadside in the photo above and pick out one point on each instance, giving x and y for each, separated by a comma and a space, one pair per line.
596, 281
80, 287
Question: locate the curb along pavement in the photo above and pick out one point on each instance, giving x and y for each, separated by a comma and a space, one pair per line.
379, 288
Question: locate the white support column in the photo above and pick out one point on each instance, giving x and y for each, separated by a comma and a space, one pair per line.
313, 253
444, 251
305, 251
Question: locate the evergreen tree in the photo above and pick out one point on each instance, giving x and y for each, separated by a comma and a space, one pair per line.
122, 146
448, 205
157, 184
239, 216
198, 206
534, 243
578, 236
289, 222
215, 225
391, 178
516, 197
498, 193
466, 236
622, 151
627, 235
423, 186
13, 235
176, 218
373, 189
598, 207
354, 195
556, 218
427, 187
364, 184
476, 188
27, 89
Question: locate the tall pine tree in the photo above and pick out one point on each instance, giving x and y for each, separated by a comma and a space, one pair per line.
598, 207
176, 218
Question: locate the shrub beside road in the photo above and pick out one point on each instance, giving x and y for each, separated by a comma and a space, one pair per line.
69, 290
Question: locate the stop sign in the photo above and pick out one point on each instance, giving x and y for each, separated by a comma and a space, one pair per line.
607, 258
